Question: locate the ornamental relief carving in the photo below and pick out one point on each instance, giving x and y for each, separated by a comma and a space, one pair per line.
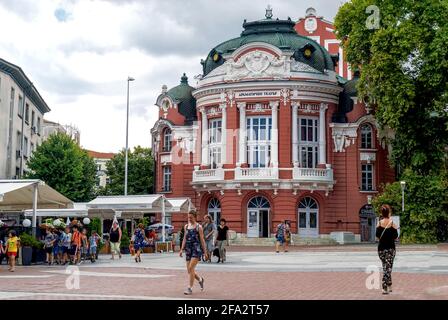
343, 137
257, 64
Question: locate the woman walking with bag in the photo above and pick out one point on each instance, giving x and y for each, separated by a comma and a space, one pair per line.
386, 232
193, 239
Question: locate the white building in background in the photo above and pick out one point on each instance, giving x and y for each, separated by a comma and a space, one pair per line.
101, 159
50, 127
22, 109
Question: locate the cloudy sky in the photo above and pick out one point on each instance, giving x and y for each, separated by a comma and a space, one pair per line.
78, 53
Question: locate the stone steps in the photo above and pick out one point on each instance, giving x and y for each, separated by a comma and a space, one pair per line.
296, 240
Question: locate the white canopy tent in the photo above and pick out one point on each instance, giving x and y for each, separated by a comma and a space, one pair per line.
135, 206
24, 194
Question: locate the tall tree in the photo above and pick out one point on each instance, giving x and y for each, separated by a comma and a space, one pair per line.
64, 166
400, 47
140, 173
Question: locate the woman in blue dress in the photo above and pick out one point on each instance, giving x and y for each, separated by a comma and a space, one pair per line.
194, 245
139, 241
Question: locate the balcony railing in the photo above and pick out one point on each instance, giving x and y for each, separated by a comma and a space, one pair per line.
313, 174
256, 173
208, 175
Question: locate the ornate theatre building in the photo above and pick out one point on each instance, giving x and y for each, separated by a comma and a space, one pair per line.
273, 131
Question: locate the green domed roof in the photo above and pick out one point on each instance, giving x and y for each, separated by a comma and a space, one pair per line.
279, 33
182, 95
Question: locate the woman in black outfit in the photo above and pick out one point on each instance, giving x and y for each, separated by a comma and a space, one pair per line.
386, 232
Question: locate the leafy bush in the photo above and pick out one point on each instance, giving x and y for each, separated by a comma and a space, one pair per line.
125, 241
425, 217
27, 240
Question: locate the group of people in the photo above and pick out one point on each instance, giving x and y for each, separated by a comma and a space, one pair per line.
71, 246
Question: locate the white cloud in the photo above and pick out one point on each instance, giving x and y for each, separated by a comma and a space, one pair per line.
79, 53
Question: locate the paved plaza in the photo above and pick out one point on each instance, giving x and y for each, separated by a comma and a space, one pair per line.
342, 272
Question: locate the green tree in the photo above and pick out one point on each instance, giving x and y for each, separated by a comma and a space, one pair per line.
64, 166
404, 71
400, 48
140, 173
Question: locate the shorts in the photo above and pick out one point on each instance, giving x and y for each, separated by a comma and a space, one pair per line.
92, 250
73, 250
138, 246
49, 250
193, 250
12, 254
281, 239
84, 250
115, 247
64, 250
56, 250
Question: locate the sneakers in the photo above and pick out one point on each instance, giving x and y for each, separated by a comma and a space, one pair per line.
385, 291
201, 283
188, 292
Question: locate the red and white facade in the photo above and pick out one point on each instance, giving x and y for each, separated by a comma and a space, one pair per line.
264, 148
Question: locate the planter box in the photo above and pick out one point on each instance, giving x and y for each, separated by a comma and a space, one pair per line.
27, 256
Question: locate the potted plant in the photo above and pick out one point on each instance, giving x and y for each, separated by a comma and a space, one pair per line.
27, 243
125, 242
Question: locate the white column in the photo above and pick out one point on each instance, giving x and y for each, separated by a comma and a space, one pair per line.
295, 136
242, 135
322, 132
224, 134
34, 225
274, 135
204, 132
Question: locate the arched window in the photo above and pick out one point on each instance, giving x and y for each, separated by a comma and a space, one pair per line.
308, 217
167, 140
214, 209
366, 136
258, 202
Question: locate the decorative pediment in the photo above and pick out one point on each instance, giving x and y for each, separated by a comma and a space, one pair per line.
256, 64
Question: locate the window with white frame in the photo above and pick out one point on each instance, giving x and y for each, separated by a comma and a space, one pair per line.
366, 136
166, 178
167, 140
367, 177
27, 113
25, 147
308, 141
258, 135
38, 125
215, 140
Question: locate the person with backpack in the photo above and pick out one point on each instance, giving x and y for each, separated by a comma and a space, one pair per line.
386, 232
283, 236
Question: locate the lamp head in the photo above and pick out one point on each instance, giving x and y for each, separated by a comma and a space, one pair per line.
130, 79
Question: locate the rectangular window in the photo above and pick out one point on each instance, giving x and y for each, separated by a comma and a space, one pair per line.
32, 147
33, 115
27, 113
166, 178
308, 141
258, 135
18, 143
25, 147
367, 177
167, 141
215, 140
38, 125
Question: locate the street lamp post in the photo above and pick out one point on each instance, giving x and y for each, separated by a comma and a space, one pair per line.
403, 186
127, 136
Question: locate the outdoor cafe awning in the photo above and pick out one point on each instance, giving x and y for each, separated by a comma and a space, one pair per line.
19, 195
180, 205
125, 207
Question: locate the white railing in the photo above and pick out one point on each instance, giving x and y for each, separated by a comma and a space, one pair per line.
255, 173
313, 174
207, 175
